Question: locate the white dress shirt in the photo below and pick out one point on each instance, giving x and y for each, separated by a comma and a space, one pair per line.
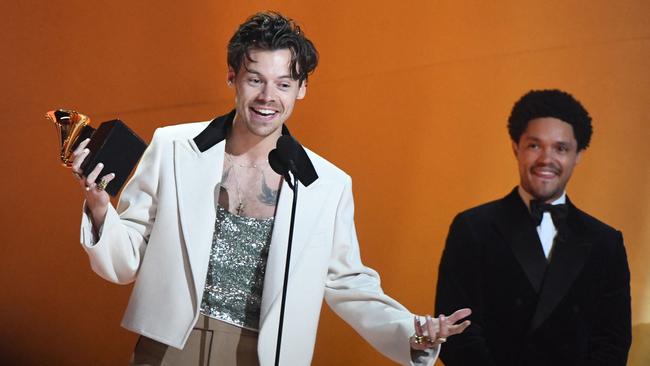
546, 230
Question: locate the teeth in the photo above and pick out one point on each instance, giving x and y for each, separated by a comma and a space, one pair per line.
265, 112
545, 170
545, 173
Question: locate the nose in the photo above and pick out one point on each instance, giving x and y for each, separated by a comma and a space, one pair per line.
266, 94
545, 155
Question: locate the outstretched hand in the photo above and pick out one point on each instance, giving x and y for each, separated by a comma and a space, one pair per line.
435, 331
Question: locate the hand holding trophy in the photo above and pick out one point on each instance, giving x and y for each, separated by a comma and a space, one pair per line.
112, 151
97, 199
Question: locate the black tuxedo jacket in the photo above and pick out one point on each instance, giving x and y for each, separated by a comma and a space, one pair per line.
573, 309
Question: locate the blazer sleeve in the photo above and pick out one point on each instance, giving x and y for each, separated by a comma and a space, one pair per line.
116, 256
354, 293
611, 337
459, 286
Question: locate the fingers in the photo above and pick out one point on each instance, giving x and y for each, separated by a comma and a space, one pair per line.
443, 327
82, 145
459, 328
458, 315
79, 159
454, 328
104, 181
420, 341
90, 179
435, 331
108, 177
431, 328
79, 155
418, 326
91, 183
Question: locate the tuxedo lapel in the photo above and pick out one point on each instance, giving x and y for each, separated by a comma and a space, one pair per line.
198, 176
198, 166
518, 230
569, 254
309, 208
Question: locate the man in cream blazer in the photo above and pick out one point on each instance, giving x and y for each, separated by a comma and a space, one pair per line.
161, 232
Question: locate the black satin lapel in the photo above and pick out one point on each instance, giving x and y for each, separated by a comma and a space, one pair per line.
519, 231
570, 252
218, 130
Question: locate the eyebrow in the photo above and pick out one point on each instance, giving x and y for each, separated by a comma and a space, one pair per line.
537, 139
258, 73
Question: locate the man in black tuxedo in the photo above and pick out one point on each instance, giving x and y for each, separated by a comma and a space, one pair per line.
547, 283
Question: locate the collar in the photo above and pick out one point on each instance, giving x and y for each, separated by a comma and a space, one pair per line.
219, 130
527, 197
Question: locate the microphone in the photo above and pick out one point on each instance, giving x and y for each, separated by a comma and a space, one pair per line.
289, 159
290, 156
280, 166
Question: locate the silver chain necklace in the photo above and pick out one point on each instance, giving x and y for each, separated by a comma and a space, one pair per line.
233, 163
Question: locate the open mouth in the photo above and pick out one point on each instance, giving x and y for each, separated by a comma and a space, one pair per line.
264, 112
545, 173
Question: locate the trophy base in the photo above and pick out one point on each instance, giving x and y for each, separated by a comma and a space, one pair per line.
118, 148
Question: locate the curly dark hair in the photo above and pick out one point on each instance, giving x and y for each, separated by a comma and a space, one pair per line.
272, 31
550, 103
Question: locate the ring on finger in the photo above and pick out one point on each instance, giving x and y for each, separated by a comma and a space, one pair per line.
102, 185
420, 339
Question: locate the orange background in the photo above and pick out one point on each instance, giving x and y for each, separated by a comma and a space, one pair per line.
411, 98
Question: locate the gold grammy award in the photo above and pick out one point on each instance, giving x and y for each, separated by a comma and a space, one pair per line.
113, 143
72, 128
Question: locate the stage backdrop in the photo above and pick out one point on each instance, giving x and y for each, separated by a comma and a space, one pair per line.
411, 98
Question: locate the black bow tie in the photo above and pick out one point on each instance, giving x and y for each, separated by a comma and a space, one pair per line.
558, 212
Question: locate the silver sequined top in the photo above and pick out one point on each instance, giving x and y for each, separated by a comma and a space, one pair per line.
233, 286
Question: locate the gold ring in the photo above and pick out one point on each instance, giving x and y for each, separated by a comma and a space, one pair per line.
420, 339
101, 185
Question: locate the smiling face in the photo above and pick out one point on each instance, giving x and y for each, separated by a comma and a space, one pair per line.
546, 154
265, 93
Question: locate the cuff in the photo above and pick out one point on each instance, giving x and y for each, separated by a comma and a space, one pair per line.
425, 357
87, 235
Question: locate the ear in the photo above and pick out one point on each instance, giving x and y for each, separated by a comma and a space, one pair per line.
579, 155
302, 90
514, 148
230, 77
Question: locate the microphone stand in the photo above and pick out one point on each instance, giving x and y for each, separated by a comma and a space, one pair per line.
294, 188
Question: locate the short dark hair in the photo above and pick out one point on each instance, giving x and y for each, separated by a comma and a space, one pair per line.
272, 31
550, 103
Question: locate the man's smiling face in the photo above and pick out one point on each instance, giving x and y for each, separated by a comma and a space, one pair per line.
546, 154
265, 91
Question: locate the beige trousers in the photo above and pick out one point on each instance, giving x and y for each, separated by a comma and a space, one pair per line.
211, 343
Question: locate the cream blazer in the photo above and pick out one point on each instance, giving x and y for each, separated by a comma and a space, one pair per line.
161, 233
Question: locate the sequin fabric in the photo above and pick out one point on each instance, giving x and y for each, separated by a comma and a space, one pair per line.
233, 286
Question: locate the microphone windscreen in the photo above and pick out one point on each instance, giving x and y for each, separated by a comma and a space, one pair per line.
293, 157
276, 162
288, 148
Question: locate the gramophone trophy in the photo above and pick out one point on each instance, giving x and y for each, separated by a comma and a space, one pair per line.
112, 143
